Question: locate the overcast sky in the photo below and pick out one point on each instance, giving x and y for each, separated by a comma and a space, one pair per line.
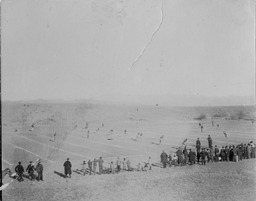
72, 49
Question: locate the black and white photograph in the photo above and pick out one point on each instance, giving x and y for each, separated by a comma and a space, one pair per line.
128, 100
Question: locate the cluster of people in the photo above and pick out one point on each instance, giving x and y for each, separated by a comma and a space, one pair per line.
31, 168
114, 167
209, 154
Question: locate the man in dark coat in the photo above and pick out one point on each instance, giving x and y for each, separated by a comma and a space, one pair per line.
209, 141
67, 168
164, 159
185, 152
203, 156
227, 153
39, 169
180, 156
100, 165
198, 145
90, 166
192, 157
30, 170
19, 170
216, 153
198, 155
222, 154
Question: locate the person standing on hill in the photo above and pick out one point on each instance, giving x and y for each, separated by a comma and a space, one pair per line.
202, 128
118, 164
198, 155
185, 152
90, 166
203, 156
209, 141
30, 170
245, 152
180, 157
94, 166
222, 154
216, 153
210, 155
253, 150
198, 145
190, 157
124, 165
164, 159
39, 169
227, 153
100, 165
84, 167
249, 150
231, 153
19, 170
67, 168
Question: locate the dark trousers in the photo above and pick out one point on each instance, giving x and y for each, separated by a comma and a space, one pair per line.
216, 157
100, 169
40, 176
164, 164
118, 168
20, 177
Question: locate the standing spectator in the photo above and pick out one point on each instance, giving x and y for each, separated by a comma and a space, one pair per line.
245, 152
249, 151
94, 166
185, 153
30, 170
90, 166
210, 155
164, 159
124, 165
112, 167
216, 154
202, 128
67, 168
118, 164
227, 154
180, 157
203, 156
198, 155
240, 152
170, 160
39, 169
129, 165
100, 165
209, 141
84, 167
222, 154
253, 149
19, 170
190, 157
231, 153
198, 145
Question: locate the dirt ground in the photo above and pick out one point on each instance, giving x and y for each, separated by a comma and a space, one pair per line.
218, 181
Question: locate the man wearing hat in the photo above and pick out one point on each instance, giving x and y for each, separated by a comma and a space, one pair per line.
39, 169
67, 168
164, 159
30, 170
19, 170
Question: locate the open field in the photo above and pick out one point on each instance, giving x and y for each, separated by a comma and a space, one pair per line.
21, 142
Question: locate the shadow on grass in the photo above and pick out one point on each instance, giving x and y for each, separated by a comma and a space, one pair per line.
60, 174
